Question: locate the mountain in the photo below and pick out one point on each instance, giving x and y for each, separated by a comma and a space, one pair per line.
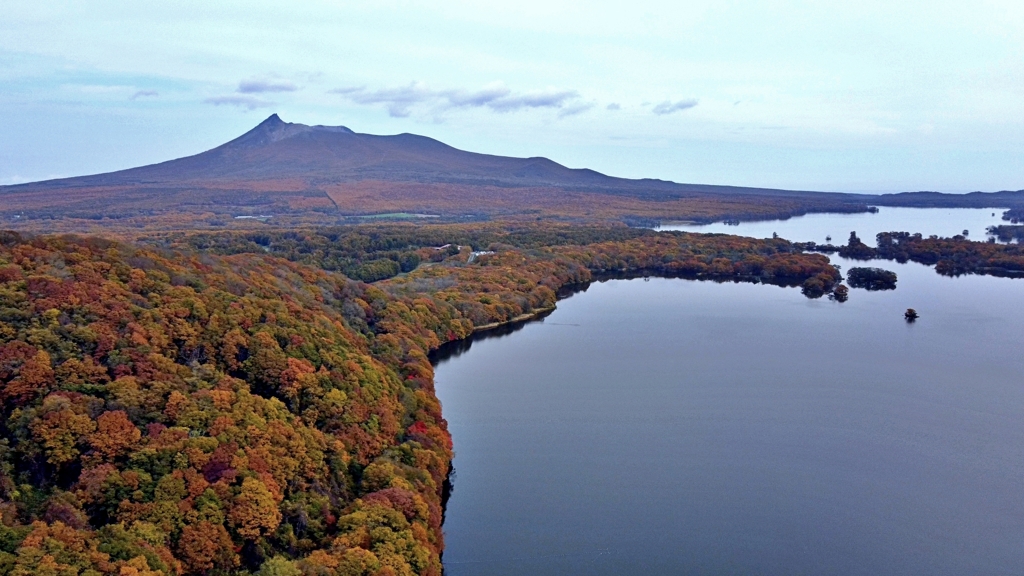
318, 173
335, 154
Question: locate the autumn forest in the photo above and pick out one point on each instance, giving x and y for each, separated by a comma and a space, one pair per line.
192, 405
209, 403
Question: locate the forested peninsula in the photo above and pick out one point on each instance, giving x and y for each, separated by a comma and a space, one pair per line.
233, 403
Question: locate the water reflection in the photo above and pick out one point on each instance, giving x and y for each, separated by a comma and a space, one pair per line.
454, 349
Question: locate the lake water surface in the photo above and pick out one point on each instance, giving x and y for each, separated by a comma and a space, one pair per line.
685, 427
945, 222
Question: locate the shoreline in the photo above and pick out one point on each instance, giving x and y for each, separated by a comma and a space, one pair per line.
520, 318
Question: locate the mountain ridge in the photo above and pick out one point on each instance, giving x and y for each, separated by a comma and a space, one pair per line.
436, 162
327, 174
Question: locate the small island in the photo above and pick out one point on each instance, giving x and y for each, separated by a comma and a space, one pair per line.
910, 315
841, 293
872, 278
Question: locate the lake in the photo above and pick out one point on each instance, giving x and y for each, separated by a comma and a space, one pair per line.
944, 222
686, 427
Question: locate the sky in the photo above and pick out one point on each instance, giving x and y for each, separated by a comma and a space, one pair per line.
858, 96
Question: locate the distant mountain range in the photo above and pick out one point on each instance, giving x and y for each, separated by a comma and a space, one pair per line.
280, 168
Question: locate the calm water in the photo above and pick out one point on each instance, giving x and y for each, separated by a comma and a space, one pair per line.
683, 427
943, 222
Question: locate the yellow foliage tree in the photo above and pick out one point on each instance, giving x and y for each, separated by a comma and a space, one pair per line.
254, 512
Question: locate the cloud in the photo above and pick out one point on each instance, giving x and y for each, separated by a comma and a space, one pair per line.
247, 102
486, 95
399, 102
668, 107
613, 106
257, 86
142, 93
546, 99
574, 109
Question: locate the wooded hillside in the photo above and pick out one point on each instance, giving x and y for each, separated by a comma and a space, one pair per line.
181, 412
